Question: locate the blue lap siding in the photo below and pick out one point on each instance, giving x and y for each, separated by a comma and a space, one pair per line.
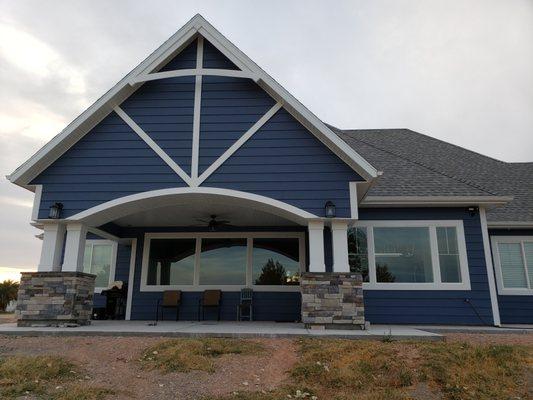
514, 309
434, 306
285, 162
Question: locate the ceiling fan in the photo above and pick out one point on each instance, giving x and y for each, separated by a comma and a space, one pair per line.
213, 223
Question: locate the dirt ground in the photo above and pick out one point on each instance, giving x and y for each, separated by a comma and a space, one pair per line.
112, 362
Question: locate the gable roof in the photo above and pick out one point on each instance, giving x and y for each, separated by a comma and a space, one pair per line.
149, 69
414, 164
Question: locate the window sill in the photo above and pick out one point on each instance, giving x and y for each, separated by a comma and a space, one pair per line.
515, 292
416, 286
224, 288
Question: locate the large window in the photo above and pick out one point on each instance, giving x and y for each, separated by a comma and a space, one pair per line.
99, 259
409, 254
513, 259
197, 261
223, 262
171, 262
276, 261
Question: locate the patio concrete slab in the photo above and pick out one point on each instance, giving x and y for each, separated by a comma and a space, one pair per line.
220, 329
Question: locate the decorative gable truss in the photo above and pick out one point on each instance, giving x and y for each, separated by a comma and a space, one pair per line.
159, 66
195, 178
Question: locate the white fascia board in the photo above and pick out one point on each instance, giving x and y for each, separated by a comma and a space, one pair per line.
104, 105
510, 224
429, 201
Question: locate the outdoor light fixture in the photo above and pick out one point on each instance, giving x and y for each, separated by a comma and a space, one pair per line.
472, 211
55, 211
330, 209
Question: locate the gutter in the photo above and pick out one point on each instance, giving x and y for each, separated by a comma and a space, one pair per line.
430, 201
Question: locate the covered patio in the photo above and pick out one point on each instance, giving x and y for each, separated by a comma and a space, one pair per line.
196, 239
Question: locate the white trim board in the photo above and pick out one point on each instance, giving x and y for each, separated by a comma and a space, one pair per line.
490, 268
131, 278
197, 25
430, 201
259, 202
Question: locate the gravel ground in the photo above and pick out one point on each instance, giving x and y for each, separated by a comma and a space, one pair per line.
112, 362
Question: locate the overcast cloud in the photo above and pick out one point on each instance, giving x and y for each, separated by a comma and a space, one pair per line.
460, 71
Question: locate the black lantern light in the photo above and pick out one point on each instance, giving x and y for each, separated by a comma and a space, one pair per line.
55, 211
472, 210
330, 209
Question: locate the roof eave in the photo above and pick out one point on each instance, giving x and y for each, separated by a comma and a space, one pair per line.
432, 201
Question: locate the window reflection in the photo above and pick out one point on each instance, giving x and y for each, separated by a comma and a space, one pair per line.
276, 261
171, 262
223, 262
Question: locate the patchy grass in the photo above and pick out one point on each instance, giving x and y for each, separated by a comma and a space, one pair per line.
371, 370
44, 376
184, 355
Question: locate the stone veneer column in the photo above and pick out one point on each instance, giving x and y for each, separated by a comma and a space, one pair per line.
332, 300
55, 298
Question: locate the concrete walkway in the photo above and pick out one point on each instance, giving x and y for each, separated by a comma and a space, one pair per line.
220, 329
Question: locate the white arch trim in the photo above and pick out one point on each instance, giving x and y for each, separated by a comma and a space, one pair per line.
262, 202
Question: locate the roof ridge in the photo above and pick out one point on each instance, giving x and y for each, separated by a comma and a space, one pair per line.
466, 182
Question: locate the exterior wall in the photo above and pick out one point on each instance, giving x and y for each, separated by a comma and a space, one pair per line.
433, 306
268, 306
514, 309
285, 162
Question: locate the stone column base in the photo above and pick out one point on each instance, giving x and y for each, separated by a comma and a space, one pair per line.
55, 298
332, 300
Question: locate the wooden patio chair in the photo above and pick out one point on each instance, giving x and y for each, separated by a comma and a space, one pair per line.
171, 299
245, 306
209, 299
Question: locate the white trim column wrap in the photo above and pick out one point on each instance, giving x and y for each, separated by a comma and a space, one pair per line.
53, 238
74, 247
316, 246
490, 268
339, 239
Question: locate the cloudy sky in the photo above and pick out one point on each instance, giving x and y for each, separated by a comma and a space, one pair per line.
458, 70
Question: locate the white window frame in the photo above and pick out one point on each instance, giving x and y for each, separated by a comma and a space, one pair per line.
198, 236
502, 290
113, 265
432, 225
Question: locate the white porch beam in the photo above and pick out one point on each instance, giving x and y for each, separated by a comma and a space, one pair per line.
53, 238
192, 72
316, 246
339, 238
74, 247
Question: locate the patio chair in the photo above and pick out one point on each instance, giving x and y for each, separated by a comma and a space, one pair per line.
209, 299
245, 306
171, 299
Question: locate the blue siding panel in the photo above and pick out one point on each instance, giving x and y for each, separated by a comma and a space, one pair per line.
514, 309
169, 126
278, 170
110, 161
186, 59
222, 125
434, 306
213, 58
268, 306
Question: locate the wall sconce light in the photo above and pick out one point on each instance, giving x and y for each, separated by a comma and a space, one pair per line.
330, 209
55, 211
472, 210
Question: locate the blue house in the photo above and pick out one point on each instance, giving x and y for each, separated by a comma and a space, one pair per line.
198, 171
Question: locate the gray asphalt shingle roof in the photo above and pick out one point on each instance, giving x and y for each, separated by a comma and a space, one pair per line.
418, 165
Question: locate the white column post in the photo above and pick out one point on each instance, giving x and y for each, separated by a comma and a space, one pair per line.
74, 247
316, 246
339, 238
53, 239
